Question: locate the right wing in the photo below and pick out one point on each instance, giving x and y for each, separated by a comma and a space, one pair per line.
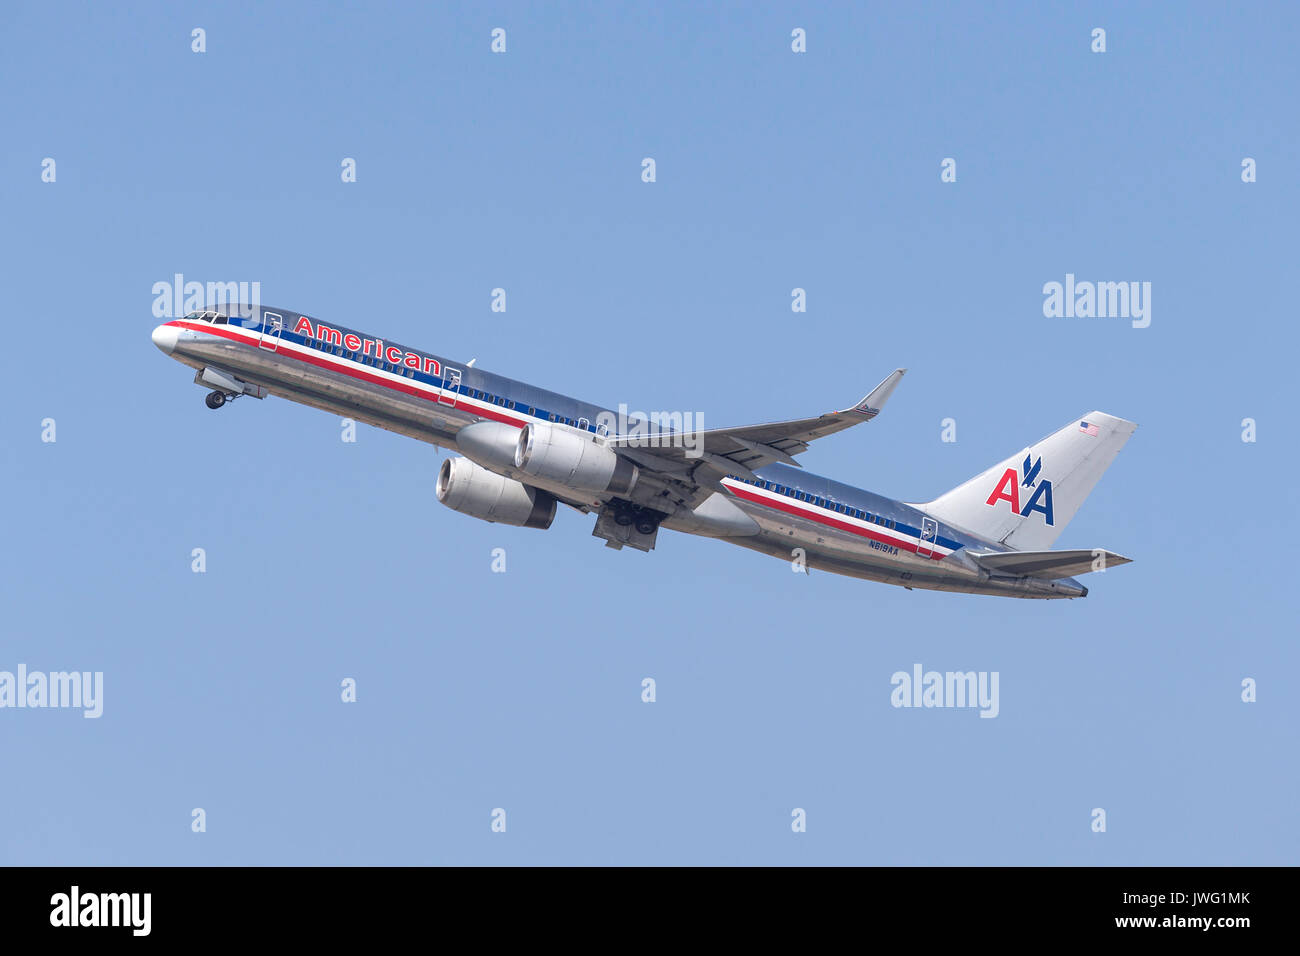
753, 446
692, 463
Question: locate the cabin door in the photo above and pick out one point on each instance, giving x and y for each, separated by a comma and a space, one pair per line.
929, 532
450, 386
272, 326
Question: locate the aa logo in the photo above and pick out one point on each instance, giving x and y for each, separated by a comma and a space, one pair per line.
1009, 486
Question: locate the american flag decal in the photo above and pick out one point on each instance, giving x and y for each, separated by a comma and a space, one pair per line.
1089, 429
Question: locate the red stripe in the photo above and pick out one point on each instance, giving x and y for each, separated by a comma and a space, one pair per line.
335, 366
828, 520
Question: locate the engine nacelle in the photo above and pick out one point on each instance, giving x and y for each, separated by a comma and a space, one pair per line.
465, 487
490, 444
573, 459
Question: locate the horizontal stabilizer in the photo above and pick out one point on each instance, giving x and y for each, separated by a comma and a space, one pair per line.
1050, 564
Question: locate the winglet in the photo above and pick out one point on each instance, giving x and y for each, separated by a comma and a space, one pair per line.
873, 403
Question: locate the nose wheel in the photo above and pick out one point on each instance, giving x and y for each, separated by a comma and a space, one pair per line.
215, 399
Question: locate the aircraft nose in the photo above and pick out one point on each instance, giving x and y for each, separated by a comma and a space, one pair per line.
165, 337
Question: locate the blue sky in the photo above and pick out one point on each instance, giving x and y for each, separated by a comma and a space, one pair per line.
521, 690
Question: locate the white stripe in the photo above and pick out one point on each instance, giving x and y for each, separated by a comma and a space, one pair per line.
812, 510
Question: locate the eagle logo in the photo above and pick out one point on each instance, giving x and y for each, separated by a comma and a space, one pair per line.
1031, 473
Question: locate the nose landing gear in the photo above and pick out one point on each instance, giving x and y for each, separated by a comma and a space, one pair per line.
225, 387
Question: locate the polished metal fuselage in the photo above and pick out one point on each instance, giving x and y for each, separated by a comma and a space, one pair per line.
806, 525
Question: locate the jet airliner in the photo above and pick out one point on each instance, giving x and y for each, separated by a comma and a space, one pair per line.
524, 450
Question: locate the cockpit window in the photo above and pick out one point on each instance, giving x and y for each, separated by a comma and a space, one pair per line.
215, 318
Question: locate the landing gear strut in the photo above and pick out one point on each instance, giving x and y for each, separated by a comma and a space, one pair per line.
215, 399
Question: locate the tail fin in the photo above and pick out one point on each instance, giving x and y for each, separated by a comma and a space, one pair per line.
1026, 501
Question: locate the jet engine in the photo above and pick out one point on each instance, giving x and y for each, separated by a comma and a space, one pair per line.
573, 459
465, 487
490, 444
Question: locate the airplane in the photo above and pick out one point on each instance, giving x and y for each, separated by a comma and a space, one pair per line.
524, 450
